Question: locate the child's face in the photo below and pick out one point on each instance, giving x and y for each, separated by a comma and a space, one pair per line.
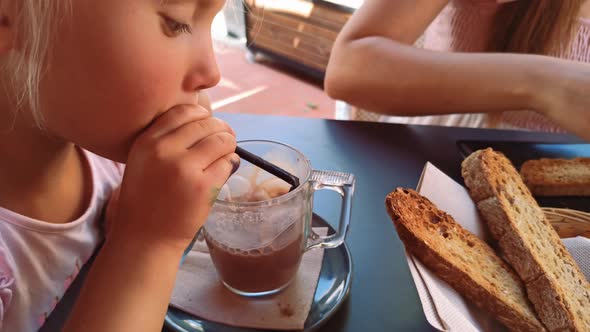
121, 63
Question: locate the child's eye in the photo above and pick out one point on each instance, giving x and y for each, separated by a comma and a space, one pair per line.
175, 28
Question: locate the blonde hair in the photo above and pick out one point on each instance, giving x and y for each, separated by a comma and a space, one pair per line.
35, 25
536, 26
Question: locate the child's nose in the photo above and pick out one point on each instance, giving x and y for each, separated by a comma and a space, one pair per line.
205, 72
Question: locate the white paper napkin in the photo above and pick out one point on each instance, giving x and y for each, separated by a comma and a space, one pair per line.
198, 291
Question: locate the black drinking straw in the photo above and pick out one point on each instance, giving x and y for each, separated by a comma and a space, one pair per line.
271, 168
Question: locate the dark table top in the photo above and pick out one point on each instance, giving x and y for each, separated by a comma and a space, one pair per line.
382, 156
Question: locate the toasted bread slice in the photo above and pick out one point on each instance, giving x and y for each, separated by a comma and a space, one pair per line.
555, 285
557, 177
461, 259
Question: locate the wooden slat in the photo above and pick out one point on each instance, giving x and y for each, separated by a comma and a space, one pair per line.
316, 14
294, 24
331, 14
299, 30
290, 48
313, 44
292, 54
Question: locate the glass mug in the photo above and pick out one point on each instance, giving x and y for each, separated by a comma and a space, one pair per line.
256, 242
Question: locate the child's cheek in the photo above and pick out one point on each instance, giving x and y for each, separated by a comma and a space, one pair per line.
155, 86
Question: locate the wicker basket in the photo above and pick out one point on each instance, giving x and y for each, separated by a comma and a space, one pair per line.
569, 223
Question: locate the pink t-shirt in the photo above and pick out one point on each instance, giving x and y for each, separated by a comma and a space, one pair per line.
39, 260
464, 26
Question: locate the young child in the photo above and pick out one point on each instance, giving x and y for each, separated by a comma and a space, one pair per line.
88, 85
485, 63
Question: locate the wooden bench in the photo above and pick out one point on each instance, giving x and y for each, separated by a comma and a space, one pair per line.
299, 33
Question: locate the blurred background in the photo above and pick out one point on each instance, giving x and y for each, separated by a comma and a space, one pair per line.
272, 55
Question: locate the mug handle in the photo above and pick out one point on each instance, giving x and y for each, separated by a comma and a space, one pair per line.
342, 183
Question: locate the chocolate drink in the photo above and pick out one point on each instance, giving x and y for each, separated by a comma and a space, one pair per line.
276, 257
257, 270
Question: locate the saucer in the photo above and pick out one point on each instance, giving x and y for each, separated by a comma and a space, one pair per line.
332, 289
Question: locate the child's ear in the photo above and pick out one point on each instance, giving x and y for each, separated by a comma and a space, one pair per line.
7, 29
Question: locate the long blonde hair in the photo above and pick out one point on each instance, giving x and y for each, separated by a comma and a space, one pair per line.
35, 25
535, 26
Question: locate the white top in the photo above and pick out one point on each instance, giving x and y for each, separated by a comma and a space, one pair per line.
463, 26
39, 260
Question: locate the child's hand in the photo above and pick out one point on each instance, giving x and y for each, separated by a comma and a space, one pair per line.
173, 175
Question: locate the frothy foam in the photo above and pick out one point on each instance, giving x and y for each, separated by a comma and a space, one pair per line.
253, 184
281, 241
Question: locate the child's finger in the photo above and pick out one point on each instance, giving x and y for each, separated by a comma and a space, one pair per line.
193, 132
173, 119
211, 148
221, 169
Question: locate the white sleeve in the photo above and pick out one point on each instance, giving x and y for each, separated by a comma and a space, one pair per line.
7, 282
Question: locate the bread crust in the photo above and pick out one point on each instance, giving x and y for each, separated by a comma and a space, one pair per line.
453, 253
555, 284
557, 177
